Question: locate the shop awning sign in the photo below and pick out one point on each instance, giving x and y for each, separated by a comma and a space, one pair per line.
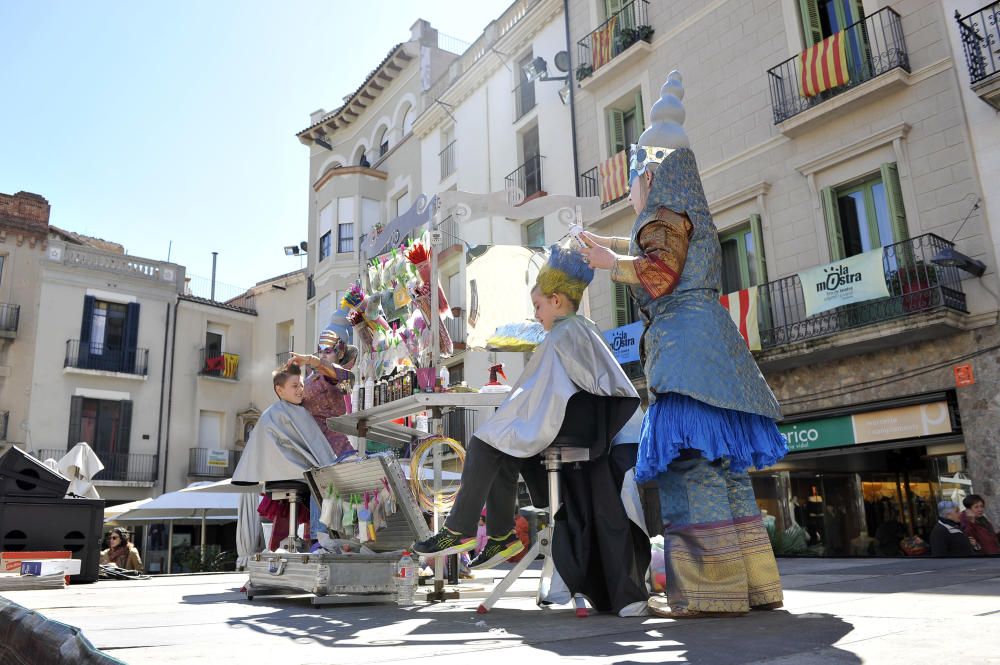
854, 279
905, 422
624, 342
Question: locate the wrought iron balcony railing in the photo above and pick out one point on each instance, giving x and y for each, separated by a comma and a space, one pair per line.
622, 29
590, 185
449, 229
874, 46
219, 364
97, 356
127, 467
205, 463
915, 285
456, 326
527, 178
10, 315
447, 157
980, 35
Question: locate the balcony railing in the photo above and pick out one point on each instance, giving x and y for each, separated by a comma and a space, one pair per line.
127, 467
915, 285
524, 99
4, 418
96, 356
220, 364
980, 35
459, 424
205, 463
456, 325
282, 358
611, 38
590, 185
447, 157
526, 179
449, 229
874, 46
10, 315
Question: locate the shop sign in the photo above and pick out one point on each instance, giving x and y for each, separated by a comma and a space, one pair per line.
905, 422
964, 375
855, 279
624, 342
218, 458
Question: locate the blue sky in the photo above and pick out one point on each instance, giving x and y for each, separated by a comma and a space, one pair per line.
151, 122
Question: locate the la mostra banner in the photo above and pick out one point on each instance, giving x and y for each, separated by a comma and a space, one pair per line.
851, 280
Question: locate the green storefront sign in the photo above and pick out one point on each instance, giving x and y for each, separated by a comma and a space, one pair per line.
816, 434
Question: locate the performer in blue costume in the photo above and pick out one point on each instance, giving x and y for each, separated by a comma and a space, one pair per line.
711, 414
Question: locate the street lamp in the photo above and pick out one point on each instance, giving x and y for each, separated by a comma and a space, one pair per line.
538, 69
297, 250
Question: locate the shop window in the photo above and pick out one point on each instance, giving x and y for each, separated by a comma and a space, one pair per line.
104, 424
534, 233
865, 215
742, 257
625, 123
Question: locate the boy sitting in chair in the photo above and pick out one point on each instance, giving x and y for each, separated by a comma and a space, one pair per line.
573, 362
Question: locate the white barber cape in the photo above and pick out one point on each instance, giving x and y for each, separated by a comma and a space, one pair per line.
285, 443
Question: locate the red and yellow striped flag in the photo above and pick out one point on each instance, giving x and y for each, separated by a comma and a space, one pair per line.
742, 308
613, 173
823, 66
603, 41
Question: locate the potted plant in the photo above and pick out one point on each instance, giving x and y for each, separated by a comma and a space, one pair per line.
625, 38
645, 33
915, 282
583, 71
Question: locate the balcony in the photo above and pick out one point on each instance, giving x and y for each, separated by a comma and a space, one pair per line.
524, 99
4, 419
918, 288
447, 157
525, 181
205, 463
118, 467
611, 188
623, 29
874, 46
10, 315
980, 36
94, 356
220, 365
456, 327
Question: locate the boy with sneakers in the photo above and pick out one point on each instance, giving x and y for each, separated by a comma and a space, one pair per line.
572, 359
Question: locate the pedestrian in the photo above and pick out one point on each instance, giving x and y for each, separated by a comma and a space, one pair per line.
711, 415
121, 552
976, 526
947, 537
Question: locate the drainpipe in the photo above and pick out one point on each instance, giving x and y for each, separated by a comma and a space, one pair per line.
215, 256
571, 74
170, 404
163, 382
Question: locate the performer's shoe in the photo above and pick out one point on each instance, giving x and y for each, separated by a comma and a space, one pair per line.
768, 606
445, 542
497, 551
659, 606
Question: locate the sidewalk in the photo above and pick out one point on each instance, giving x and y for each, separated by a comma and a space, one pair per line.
836, 611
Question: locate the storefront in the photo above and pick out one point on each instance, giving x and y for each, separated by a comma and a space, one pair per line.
861, 481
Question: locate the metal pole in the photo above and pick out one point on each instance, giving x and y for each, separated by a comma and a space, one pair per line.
215, 256
170, 546
203, 533
571, 81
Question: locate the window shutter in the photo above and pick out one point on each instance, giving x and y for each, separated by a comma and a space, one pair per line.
616, 132
894, 196
75, 413
612, 7
124, 427
83, 353
758, 246
640, 123
131, 338
620, 298
834, 234
812, 29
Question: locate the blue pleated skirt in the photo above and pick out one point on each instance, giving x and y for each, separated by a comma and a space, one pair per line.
676, 422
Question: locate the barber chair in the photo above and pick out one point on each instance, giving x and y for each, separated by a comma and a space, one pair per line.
582, 437
294, 492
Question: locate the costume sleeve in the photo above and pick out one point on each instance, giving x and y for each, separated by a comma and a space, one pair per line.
664, 244
619, 245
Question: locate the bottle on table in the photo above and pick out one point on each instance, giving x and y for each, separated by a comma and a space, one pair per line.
369, 393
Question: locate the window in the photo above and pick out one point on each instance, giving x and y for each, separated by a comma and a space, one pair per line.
370, 213
534, 233
823, 18
345, 225
210, 430
109, 334
325, 245
625, 124
104, 424
531, 178
866, 215
324, 310
402, 203
382, 141
408, 118
742, 257
326, 217
3, 257
524, 94
626, 310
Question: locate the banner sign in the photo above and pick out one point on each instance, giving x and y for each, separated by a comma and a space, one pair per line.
218, 458
905, 422
855, 279
624, 342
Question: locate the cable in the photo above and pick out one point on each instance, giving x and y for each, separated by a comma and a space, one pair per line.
426, 496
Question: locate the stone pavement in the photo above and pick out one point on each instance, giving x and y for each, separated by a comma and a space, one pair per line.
836, 611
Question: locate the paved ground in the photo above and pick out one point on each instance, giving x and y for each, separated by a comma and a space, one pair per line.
836, 611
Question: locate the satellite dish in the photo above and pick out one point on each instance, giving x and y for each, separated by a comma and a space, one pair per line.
562, 61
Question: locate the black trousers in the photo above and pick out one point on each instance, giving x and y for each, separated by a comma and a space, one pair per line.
490, 477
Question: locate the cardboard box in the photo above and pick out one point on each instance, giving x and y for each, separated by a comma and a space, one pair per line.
10, 562
65, 567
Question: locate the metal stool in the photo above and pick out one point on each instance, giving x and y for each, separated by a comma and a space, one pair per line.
292, 491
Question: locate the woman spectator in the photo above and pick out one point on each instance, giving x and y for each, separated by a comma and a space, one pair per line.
947, 538
120, 551
976, 526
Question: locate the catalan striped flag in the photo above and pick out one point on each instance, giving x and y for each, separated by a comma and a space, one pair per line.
603, 43
742, 308
823, 66
613, 173
230, 365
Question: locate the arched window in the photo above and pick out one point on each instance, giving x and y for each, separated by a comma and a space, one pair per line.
359, 157
408, 119
382, 141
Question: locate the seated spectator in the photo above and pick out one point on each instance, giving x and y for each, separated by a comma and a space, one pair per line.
120, 551
976, 526
947, 538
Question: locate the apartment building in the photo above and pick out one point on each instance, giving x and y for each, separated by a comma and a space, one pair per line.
881, 412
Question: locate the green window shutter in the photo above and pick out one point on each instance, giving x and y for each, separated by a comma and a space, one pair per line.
758, 249
834, 234
612, 7
620, 301
124, 427
616, 131
639, 122
812, 29
894, 194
